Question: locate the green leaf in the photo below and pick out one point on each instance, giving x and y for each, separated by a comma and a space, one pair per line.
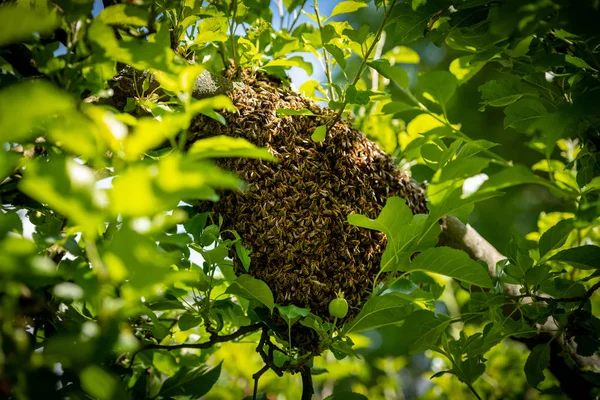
242, 252
402, 55
67, 187
137, 259
397, 107
380, 311
20, 22
537, 362
420, 331
68, 290
396, 74
295, 61
8, 162
583, 257
438, 86
523, 113
282, 112
500, 93
513, 176
354, 96
319, 133
251, 288
556, 236
191, 382
100, 384
346, 396
30, 104
337, 54
345, 7
126, 14
154, 53
212, 29
411, 24
453, 263
476, 146
226, 146
292, 313
592, 186
464, 68
189, 321
403, 230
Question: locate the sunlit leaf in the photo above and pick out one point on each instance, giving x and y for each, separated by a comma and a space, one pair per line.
453, 263
318, 134
127, 14
556, 236
29, 105
344, 7
380, 311
226, 146
69, 188
19, 22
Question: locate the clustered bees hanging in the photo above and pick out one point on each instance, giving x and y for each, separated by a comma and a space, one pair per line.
293, 213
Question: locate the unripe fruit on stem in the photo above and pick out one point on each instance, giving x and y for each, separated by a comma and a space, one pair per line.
338, 307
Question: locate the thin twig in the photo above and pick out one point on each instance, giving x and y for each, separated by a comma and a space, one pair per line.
291, 28
233, 8
325, 54
214, 338
256, 377
364, 61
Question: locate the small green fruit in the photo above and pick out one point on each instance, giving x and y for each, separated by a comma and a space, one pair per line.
338, 308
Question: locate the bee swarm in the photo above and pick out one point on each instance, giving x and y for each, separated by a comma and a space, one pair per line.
293, 214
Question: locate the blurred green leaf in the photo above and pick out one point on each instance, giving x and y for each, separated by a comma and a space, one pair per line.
282, 112
127, 14
19, 22
101, 384
29, 105
318, 134
191, 382
344, 7
69, 188
8, 162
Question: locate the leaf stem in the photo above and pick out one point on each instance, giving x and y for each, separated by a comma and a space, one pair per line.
363, 64
325, 54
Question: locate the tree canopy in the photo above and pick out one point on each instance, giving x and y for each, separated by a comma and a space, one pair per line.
118, 281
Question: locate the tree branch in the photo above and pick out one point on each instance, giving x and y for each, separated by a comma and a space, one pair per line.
457, 235
307, 385
214, 339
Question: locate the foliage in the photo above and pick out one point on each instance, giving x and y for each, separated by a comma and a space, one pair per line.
114, 286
